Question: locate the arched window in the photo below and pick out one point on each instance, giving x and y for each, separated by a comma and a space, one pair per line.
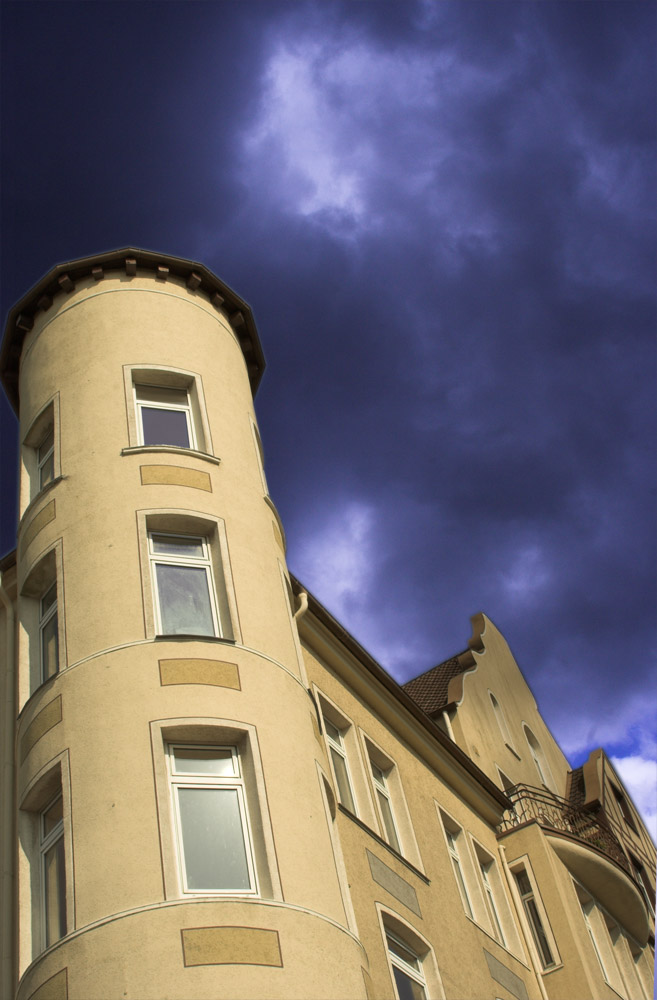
536, 751
501, 719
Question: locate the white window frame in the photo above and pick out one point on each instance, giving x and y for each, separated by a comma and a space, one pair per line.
337, 746
44, 573
533, 895
48, 841
201, 562
46, 461
454, 839
45, 618
485, 866
234, 782
539, 758
170, 407
502, 723
34, 464
414, 971
427, 975
389, 827
162, 377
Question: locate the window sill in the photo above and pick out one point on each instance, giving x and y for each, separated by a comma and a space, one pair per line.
384, 843
173, 449
186, 636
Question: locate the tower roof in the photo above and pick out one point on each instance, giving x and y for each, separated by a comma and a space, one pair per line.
61, 280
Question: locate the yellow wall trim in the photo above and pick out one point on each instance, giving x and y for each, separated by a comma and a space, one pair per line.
174, 475
40, 724
44, 517
231, 946
197, 671
55, 988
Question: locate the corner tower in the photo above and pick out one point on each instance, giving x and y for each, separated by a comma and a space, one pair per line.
172, 830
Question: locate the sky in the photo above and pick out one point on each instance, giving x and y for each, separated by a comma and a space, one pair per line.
442, 215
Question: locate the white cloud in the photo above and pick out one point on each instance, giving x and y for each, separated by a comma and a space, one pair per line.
639, 776
335, 557
527, 574
339, 119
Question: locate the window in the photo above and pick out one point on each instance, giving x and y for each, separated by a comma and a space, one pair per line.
533, 913
384, 806
539, 758
46, 458
644, 883
406, 969
185, 599
587, 908
501, 720
53, 871
214, 845
339, 764
166, 408
454, 837
48, 633
626, 812
487, 869
40, 453
164, 416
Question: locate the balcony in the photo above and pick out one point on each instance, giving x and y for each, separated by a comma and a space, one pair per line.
554, 813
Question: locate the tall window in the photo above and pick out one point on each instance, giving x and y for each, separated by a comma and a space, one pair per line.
487, 870
185, 599
46, 458
626, 812
501, 719
384, 806
538, 756
48, 633
53, 871
214, 845
339, 763
164, 416
410, 983
529, 903
453, 835
644, 882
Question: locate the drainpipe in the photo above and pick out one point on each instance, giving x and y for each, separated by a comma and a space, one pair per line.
7, 807
522, 920
303, 606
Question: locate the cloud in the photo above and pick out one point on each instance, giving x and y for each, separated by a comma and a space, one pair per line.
639, 776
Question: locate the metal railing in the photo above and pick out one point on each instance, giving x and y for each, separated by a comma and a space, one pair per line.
555, 813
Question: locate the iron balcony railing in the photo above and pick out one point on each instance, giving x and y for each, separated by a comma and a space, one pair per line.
555, 813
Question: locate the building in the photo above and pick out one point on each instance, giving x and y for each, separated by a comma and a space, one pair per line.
209, 788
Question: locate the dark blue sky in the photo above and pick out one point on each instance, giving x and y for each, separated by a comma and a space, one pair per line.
442, 215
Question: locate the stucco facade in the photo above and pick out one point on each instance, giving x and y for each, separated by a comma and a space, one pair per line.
209, 788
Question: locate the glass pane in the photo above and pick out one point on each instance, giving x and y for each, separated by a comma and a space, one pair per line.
378, 774
342, 778
202, 760
54, 879
49, 648
213, 839
388, 821
165, 427
395, 947
47, 443
464, 892
539, 933
332, 732
47, 471
162, 394
48, 599
523, 882
185, 606
407, 988
188, 546
52, 816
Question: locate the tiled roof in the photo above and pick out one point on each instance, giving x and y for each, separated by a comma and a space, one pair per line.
429, 690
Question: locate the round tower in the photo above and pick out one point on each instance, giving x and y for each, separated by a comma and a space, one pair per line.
174, 827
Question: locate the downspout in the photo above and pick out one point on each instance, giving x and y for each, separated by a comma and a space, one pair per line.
303, 605
522, 921
7, 809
